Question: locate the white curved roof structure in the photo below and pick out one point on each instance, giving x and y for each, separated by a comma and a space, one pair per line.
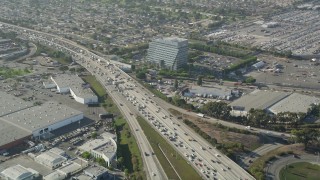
19, 172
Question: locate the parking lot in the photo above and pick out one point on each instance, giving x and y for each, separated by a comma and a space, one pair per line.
290, 73
296, 31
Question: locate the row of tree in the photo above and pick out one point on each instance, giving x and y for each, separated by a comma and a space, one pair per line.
255, 117
219, 49
307, 136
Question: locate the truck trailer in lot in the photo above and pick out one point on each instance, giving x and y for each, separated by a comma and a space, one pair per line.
200, 115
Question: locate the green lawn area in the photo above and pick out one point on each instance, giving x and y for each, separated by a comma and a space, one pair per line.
99, 90
185, 170
6, 72
127, 145
128, 149
59, 56
300, 171
104, 99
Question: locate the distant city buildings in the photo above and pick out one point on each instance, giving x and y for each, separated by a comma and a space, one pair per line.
168, 53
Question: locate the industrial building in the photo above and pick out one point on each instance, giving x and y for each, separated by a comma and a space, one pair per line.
259, 65
20, 120
39, 120
294, 103
19, 172
67, 169
12, 135
208, 92
52, 159
168, 53
270, 25
10, 104
257, 99
104, 147
96, 172
73, 84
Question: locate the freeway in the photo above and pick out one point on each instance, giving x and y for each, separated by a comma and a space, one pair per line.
153, 166
207, 160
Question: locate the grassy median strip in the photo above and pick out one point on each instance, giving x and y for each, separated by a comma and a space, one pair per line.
128, 149
184, 169
128, 153
104, 99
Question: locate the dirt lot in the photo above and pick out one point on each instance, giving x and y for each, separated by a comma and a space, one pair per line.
250, 142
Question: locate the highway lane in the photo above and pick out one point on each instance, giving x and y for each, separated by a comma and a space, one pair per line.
254, 155
200, 142
76, 51
199, 145
197, 149
181, 137
152, 164
146, 147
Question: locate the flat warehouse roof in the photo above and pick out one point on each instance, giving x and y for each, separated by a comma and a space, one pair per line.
10, 104
10, 133
294, 103
75, 83
37, 117
259, 99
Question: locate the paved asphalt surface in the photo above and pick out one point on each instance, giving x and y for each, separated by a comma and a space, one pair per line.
254, 155
273, 170
207, 160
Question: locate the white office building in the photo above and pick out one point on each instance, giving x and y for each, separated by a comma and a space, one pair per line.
168, 53
103, 147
